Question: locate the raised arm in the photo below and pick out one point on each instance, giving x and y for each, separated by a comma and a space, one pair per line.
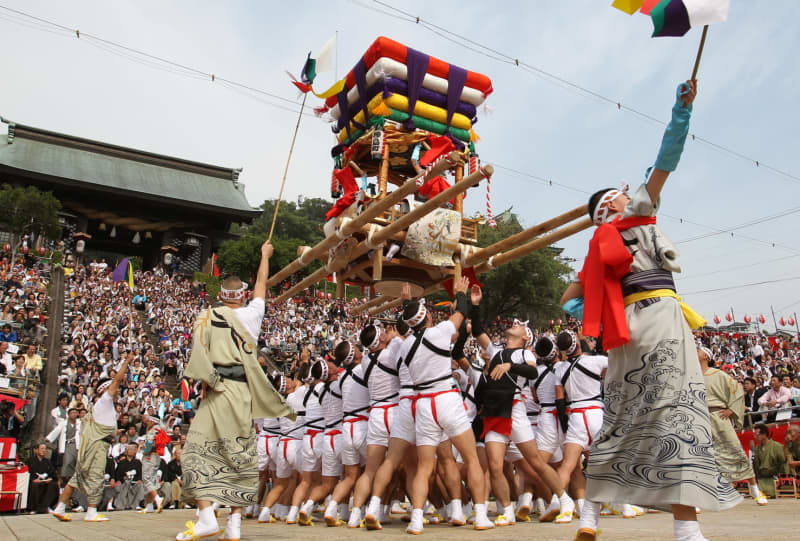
118, 378
476, 295
260, 288
462, 303
674, 138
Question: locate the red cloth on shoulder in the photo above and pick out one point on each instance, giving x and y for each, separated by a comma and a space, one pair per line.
162, 439
349, 188
607, 262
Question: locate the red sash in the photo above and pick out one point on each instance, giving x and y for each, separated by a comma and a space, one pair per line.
607, 262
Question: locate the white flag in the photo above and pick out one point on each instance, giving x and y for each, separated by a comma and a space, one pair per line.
326, 57
703, 12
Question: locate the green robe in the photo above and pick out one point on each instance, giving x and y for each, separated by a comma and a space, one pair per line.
769, 463
722, 391
793, 451
220, 461
90, 468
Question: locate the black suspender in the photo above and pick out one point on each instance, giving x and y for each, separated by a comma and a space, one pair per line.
576, 364
542, 376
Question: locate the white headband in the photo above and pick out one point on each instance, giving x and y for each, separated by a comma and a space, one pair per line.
528, 333
552, 355
103, 386
707, 352
601, 210
350, 354
324, 372
233, 294
574, 345
377, 340
419, 317
281, 384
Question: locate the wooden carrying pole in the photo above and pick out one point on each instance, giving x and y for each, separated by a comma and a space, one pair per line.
373, 211
506, 257
524, 236
369, 304
434, 202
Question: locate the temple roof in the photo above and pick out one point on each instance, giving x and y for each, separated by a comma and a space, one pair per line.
104, 167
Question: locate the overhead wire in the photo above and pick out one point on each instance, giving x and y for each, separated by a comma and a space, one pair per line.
508, 59
751, 284
170, 66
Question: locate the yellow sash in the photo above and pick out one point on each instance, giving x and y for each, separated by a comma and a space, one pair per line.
694, 319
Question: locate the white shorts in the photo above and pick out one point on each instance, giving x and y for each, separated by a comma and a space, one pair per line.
354, 450
403, 421
288, 452
520, 427
584, 424
440, 415
266, 447
549, 437
381, 421
312, 451
332, 444
533, 419
512, 453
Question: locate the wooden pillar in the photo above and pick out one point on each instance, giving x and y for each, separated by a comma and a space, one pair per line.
383, 173
377, 264
340, 288
459, 207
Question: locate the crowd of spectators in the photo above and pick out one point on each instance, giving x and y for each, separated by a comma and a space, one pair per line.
104, 322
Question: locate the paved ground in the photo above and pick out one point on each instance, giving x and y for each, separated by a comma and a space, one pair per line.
778, 521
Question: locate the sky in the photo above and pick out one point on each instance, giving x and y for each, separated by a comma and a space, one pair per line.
536, 126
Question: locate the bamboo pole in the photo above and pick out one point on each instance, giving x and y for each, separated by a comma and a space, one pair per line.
286, 169
524, 236
373, 211
699, 52
377, 264
432, 203
541, 242
340, 287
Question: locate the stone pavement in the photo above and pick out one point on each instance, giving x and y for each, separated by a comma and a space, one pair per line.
778, 521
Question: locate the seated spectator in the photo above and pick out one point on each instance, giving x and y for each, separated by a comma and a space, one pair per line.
8, 335
791, 449
43, 484
769, 460
33, 361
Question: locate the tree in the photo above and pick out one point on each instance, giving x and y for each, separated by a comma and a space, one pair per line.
297, 224
28, 211
529, 287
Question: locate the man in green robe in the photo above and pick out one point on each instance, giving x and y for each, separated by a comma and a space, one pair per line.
791, 448
220, 461
97, 432
769, 460
725, 399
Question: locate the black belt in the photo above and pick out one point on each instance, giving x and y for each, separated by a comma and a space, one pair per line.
648, 280
547, 404
235, 373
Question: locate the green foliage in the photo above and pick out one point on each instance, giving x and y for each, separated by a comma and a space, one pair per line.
529, 287
28, 210
212, 283
297, 224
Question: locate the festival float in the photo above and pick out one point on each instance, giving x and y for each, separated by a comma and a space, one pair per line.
404, 158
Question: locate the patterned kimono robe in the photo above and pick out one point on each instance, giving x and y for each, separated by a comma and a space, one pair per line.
655, 447
724, 392
220, 462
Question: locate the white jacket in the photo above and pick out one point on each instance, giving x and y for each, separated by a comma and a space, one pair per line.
60, 432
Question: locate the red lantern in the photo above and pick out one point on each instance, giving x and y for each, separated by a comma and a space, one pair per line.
762, 319
42, 250
747, 319
551, 322
791, 322
717, 320
728, 316
6, 247
782, 322
558, 322
24, 249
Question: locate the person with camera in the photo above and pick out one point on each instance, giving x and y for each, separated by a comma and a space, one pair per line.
11, 420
